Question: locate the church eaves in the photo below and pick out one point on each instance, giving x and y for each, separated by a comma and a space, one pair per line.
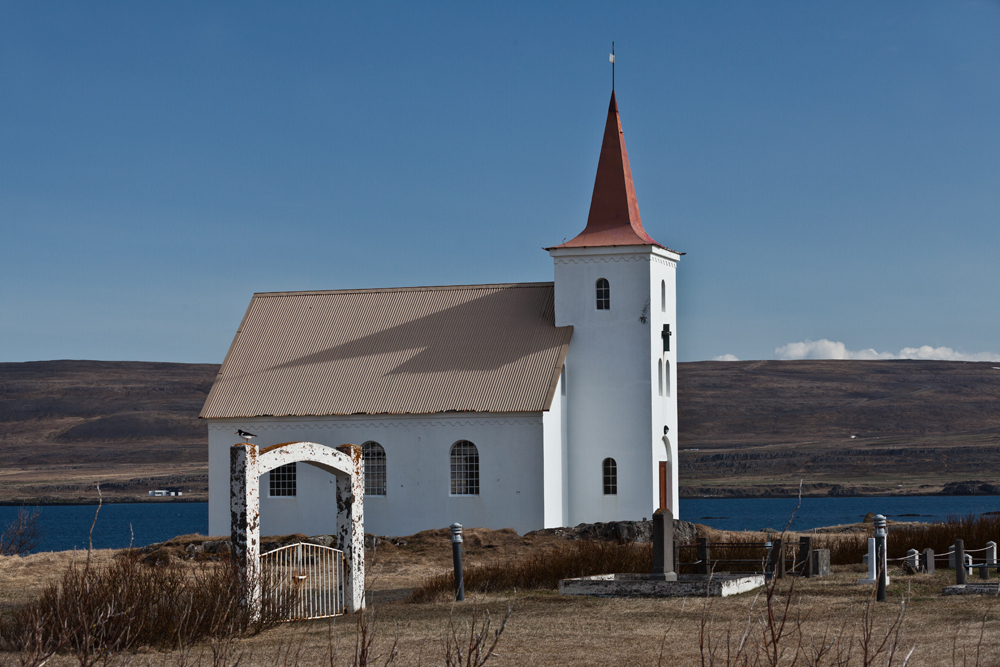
614, 211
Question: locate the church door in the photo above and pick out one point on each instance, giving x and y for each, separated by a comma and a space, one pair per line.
663, 484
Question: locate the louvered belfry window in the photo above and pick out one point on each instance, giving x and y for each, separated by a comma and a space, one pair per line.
464, 469
603, 294
610, 470
282, 480
373, 456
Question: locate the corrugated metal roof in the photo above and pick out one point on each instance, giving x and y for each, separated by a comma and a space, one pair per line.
416, 350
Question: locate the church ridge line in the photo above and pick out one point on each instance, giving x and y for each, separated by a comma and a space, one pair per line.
417, 288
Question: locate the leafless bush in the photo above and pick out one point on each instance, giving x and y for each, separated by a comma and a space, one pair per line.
22, 535
544, 569
473, 644
93, 613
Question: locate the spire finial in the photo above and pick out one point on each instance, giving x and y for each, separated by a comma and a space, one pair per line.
612, 59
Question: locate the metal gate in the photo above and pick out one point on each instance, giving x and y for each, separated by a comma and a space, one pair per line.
303, 581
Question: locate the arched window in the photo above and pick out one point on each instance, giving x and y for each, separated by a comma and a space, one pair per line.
610, 470
373, 456
603, 294
282, 481
663, 296
661, 376
666, 378
464, 469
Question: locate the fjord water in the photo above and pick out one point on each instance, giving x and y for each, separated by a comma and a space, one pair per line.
774, 513
65, 527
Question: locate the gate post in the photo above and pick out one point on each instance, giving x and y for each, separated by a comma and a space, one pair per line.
244, 506
351, 527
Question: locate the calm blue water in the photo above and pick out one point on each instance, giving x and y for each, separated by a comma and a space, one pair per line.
66, 526
759, 513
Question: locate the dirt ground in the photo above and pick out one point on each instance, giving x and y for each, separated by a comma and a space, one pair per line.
547, 629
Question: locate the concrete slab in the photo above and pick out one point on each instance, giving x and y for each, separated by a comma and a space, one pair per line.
643, 586
972, 589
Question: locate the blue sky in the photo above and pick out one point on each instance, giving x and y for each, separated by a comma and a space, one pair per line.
832, 170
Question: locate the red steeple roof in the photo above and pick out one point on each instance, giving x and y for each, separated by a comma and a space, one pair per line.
614, 212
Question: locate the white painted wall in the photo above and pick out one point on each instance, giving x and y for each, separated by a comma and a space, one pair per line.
613, 402
511, 459
554, 453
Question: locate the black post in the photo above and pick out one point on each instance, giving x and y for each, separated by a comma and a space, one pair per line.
777, 559
880, 557
805, 555
704, 561
961, 574
456, 553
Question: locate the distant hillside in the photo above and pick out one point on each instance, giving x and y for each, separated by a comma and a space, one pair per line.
746, 428
760, 427
131, 426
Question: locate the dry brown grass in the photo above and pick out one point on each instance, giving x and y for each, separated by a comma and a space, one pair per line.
826, 614
546, 629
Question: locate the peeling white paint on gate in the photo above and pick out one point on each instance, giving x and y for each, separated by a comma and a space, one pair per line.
248, 463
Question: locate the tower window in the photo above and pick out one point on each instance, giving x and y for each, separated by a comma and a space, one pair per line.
373, 456
610, 470
660, 364
666, 378
663, 296
282, 481
464, 469
562, 380
603, 295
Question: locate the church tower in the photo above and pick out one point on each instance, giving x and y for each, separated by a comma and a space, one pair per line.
616, 286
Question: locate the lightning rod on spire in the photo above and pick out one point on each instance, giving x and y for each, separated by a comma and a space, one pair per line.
612, 59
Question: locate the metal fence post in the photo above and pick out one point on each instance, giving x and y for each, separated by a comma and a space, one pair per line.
456, 553
961, 574
880, 557
704, 558
805, 556
776, 559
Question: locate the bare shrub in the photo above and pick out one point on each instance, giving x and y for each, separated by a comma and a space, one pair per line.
474, 644
96, 612
22, 535
544, 569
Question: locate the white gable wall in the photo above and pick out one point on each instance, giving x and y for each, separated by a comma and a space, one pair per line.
556, 493
512, 464
613, 403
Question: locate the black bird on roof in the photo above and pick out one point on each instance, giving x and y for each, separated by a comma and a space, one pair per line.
246, 435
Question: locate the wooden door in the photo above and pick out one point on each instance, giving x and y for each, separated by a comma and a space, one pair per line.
663, 484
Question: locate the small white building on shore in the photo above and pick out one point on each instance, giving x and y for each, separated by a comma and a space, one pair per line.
524, 405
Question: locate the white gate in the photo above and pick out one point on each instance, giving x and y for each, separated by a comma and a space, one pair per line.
303, 581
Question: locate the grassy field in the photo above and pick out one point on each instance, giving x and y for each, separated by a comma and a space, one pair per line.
832, 616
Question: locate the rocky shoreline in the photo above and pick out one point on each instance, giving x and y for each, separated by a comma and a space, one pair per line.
826, 490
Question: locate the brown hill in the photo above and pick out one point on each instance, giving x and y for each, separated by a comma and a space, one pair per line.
66, 426
842, 427
746, 428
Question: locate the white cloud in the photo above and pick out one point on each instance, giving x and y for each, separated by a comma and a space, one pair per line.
726, 357
828, 349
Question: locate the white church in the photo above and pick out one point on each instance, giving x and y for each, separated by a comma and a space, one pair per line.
523, 405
